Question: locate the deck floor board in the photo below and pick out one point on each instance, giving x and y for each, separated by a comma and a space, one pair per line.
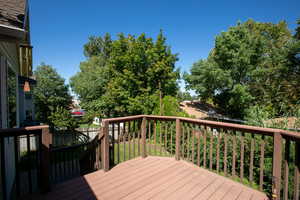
152, 178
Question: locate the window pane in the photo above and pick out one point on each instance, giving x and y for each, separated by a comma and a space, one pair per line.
12, 98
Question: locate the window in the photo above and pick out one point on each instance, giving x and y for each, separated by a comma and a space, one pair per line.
12, 98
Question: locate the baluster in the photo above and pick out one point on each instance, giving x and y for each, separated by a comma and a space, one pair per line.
119, 141
183, 140
225, 152
188, 148
124, 140
134, 139
149, 137
16, 143
154, 135
242, 156
129, 140
218, 150
286, 169
204, 147
251, 160
113, 142
139, 137
233, 153
193, 143
171, 137
297, 170
29, 163
198, 146
143, 130
262, 157
165, 142
178, 136
211, 148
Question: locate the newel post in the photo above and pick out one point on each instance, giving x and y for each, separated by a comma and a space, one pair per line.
45, 142
178, 135
105, 146
277, 159
143, 130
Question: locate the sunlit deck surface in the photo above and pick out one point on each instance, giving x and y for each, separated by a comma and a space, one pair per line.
153, 178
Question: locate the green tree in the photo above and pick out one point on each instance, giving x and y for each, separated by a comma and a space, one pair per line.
123, 76
297, 34
185, 96
249, 65
50, 92
62, 117
170, 107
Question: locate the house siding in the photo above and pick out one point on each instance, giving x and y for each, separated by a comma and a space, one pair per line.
10, 52
8, 58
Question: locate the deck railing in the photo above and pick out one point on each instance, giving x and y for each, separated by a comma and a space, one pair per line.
24, 170
264, 158
30, 164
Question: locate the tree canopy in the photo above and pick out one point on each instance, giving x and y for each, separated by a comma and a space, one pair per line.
297, 34
50, 92
124, 76
251, 63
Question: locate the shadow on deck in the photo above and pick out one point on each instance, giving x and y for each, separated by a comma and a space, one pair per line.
153, 178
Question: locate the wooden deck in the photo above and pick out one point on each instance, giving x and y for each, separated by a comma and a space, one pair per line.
153, 178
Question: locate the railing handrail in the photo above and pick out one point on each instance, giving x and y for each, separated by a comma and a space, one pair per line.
232, 126
278, 136
7, 132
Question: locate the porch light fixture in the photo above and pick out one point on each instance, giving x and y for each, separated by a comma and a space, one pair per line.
26, 87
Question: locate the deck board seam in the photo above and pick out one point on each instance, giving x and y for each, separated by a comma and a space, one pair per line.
162, 189
129, 178
203, 189
162, 181
138, 170
151, 175
192, 175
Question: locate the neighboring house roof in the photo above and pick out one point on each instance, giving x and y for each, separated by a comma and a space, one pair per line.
13, 13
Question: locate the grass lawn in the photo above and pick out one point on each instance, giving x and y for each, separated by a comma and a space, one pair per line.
89, 126
130, 149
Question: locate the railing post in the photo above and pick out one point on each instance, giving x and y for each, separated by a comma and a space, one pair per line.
143, 130
178, 134
297, 170
277, 159
98, 150
105, 146
45, 142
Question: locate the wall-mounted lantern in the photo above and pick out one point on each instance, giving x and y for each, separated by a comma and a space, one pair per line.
26, 87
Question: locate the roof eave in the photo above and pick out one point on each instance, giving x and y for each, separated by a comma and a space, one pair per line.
14, 32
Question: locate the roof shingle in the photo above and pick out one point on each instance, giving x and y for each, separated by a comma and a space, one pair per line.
12, 13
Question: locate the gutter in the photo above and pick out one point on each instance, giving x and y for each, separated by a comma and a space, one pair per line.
11, 31
26, 14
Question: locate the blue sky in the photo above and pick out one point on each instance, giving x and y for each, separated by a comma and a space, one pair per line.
60, 28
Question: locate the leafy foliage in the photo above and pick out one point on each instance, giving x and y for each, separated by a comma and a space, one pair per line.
50, 92
252, 63
62, 117
297, 34
170, 107
123, 76
185, 96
